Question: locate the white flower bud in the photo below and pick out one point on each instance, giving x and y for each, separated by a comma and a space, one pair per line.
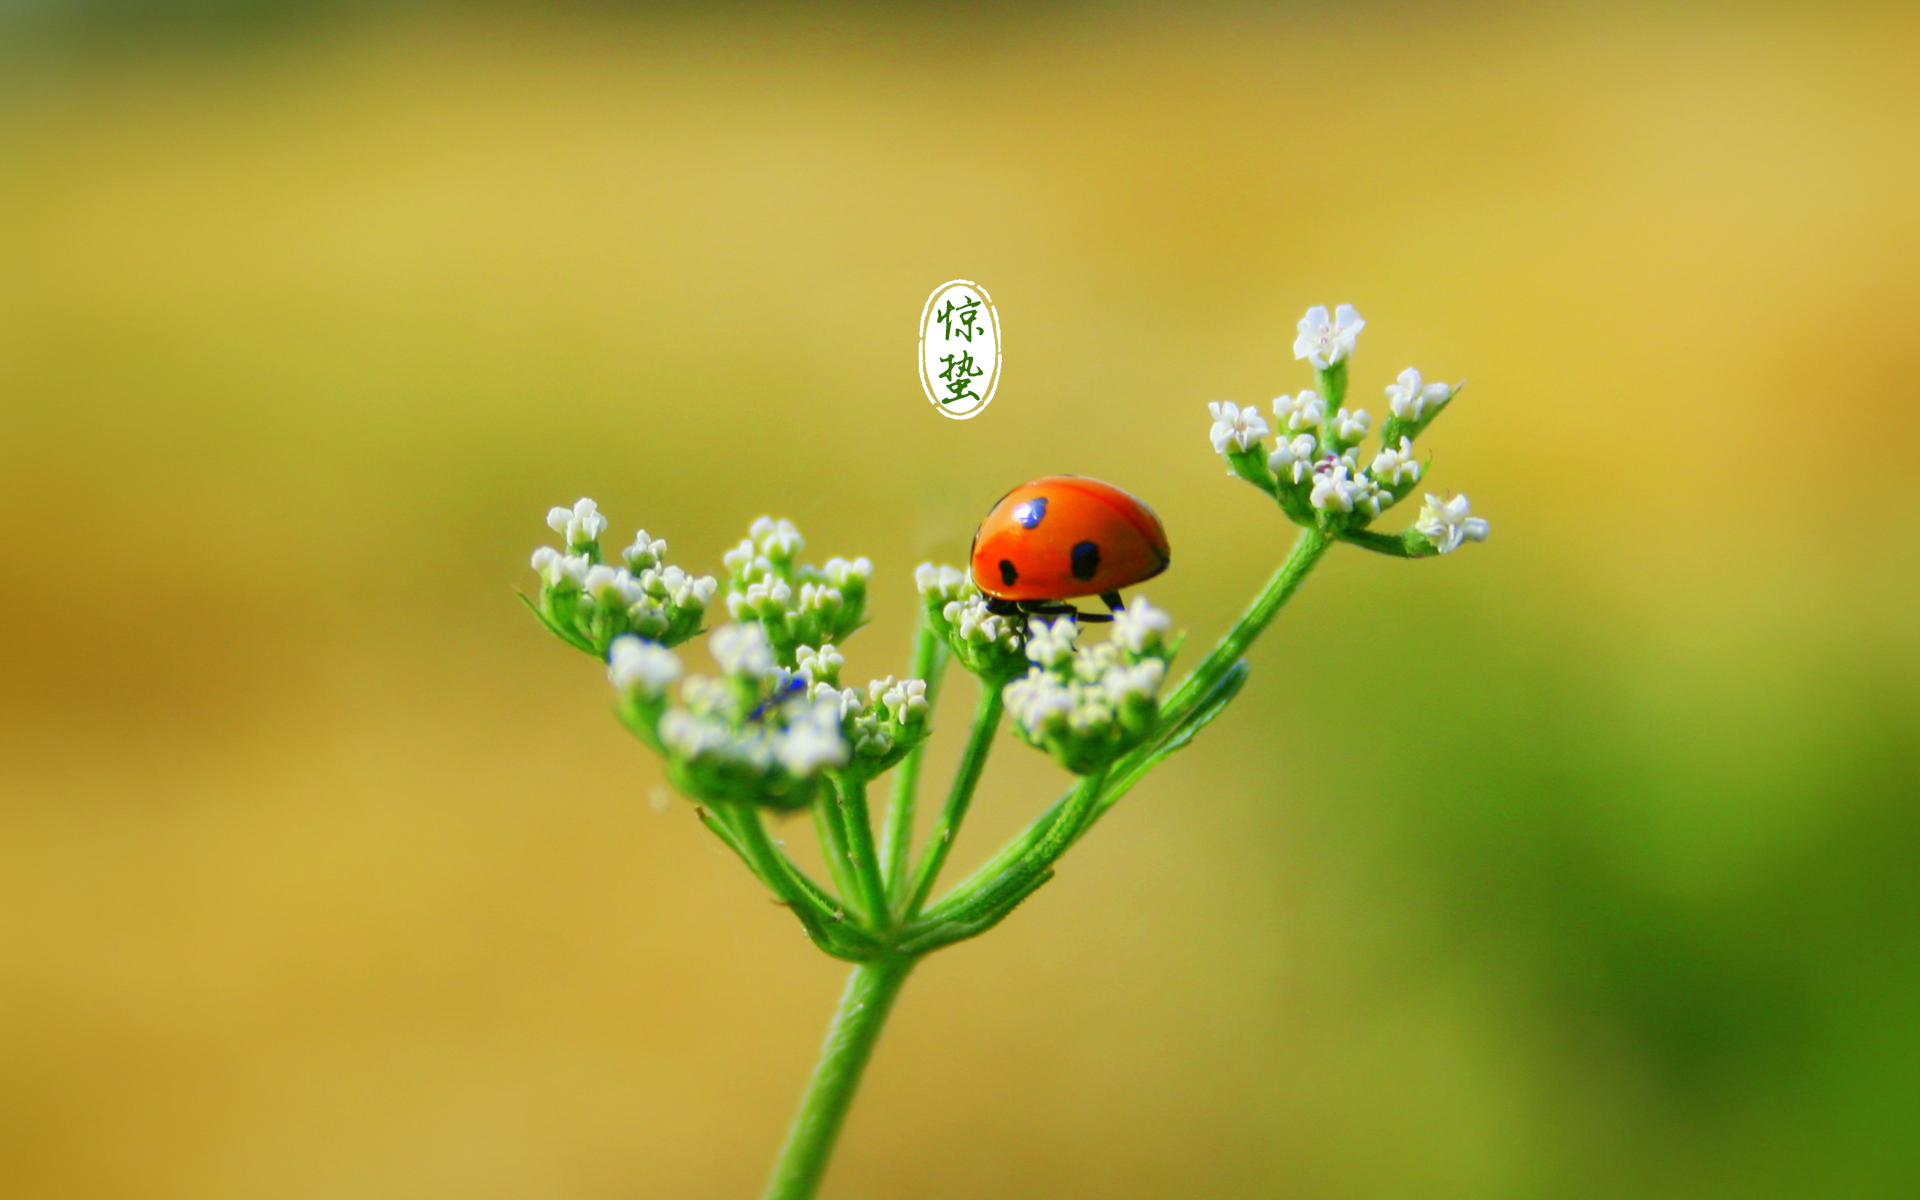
1324, 342
819, 666
637, 666
645, 552
1039, 702
776, 539
742, 650
1140, 625
1051, 643
1235, 428
559, 570
1333, 489
813, 741
840, 572
745, 563
581, 525
1410, 397
1351, 427
605, 585
1293, 460
1394, 464
1132, 684
904, 700
938, 582
1298, 413
1447, 523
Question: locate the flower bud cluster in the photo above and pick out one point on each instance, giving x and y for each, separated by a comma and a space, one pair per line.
881, 723
753, 734
1317, 469
797, 604
591, 604
1087, 706
988, 643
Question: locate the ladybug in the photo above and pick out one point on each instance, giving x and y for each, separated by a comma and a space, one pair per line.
1066, 536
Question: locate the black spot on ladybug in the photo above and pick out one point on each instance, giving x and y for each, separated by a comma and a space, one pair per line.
1086, 560
1030, 513
1008, 575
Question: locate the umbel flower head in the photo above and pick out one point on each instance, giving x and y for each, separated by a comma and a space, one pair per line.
1087, 706
797, 604
589, 604
987, 643
1317, 469
776, 721
759, 733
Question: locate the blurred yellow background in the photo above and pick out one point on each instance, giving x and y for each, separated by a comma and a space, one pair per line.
1579, 864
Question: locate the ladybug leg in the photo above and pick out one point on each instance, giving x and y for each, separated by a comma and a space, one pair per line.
1041, 608
1005, 608
1112, 601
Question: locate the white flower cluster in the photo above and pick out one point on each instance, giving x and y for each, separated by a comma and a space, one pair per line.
987, 642
1447, 523
1236, 427
717, 760
767, 728
754, 734
798, 605
882, 722
1410, 398
641, 668
591, 603
580, 525
1325, 342
1088, 706
1316, 470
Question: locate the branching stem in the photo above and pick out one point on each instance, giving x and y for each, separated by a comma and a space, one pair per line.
930, 657
973, 760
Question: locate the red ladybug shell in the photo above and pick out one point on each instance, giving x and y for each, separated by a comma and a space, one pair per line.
1065, 536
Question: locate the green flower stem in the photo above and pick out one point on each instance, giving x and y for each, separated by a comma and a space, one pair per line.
852, 791
1410, 544
829, 821
871, 990
896, 841
1040, 847
822, 916
1306, 552
973, 760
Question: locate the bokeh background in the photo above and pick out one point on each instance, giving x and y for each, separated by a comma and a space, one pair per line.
1579, 864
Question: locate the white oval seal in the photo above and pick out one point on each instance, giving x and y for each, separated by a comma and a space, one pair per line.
959, 348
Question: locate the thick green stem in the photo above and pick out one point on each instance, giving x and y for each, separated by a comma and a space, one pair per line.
973, 760
896, 841
871, 990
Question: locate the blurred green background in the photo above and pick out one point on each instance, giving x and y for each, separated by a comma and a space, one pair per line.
1579, 864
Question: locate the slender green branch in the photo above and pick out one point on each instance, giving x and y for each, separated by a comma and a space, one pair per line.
829, 820
896, 841
973, 760
852, 793
871, 990
1408, 544
997, 894
1280, 588
818, 911
929, 936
